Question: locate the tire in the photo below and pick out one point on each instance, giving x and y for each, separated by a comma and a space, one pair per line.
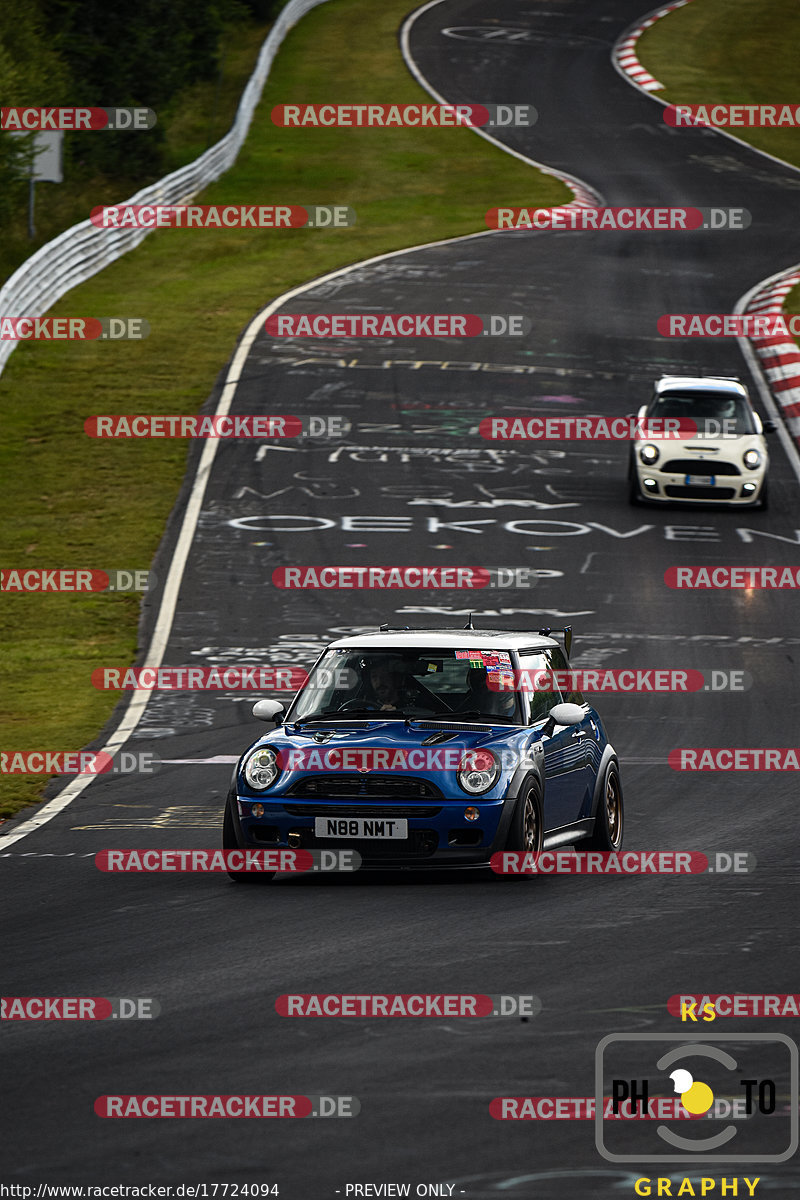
230, 841
762, 503
634, 492
527, 828
609, 824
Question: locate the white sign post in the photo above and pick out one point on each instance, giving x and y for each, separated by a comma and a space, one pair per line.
46, 165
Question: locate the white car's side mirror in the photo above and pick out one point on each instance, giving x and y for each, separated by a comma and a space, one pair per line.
267, 710
567, 714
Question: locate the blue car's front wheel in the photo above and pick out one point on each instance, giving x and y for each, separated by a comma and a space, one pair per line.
609, 821
527, 831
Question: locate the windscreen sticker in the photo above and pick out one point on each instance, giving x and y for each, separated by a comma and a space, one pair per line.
486, 658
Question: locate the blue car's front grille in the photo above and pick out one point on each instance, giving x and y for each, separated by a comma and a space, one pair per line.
353, 785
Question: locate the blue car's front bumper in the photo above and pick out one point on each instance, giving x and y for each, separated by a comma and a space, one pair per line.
438, 831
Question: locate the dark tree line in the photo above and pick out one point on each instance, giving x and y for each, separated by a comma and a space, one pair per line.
108, 53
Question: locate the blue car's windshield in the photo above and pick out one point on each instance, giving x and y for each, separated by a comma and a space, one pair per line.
464, 684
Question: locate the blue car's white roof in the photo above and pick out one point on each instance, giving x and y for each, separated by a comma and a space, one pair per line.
444, 639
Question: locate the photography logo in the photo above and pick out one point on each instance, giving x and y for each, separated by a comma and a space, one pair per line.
738, 1092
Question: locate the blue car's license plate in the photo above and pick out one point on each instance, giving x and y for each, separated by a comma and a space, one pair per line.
360, 827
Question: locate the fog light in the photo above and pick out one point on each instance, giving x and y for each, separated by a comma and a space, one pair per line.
748, 488
471, 814
294, 838
650, 484
257, 810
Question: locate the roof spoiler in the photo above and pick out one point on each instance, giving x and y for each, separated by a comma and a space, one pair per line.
567, 632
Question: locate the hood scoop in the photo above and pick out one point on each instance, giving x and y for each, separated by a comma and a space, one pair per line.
325, 734
443, 735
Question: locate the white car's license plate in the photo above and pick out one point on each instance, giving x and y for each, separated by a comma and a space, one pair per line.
700, 480
360, 827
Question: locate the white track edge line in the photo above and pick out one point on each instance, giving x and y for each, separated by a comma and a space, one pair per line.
408, 58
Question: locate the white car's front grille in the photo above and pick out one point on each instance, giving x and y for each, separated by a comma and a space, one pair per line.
696, 466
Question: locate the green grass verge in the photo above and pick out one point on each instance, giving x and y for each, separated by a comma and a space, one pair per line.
197, 118
731, 52
75, 502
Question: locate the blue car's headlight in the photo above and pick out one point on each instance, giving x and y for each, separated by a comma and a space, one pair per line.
261, 769
478, 771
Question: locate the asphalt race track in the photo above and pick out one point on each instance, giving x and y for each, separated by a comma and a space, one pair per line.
413, 483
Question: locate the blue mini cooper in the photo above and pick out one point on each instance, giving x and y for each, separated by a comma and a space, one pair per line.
422, 747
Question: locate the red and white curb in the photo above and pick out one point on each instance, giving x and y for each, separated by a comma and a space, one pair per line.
624, 53
779, 356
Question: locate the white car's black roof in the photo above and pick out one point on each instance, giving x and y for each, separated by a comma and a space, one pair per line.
445, 639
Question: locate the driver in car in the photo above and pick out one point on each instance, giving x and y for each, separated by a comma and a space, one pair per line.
385, 681
392, 688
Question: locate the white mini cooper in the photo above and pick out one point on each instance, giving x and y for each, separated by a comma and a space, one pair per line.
725, 462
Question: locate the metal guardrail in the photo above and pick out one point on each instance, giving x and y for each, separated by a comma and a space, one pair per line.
84, 249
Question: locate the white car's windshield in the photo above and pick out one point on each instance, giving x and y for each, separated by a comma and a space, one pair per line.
705, 407
464, 684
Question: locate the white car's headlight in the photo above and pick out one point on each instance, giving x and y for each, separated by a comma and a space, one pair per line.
649, 454
478, 771
752, 459
261, 769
